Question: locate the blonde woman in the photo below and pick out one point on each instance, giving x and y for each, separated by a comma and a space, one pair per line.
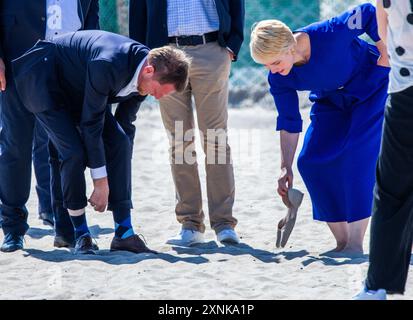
348, 81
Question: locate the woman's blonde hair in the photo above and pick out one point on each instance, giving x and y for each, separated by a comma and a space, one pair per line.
270, 38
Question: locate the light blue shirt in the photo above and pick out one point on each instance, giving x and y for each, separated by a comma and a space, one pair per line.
62, 17
191, 17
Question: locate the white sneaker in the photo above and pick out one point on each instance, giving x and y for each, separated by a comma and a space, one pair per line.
228, 235
187, 237
371, 295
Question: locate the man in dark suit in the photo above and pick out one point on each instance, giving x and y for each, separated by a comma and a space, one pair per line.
22, 23
67, 84
211, 33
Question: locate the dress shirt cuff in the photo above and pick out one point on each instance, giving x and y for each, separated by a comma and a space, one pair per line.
98, 173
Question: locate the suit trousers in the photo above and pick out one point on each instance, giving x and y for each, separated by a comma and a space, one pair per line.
18, 139
392, 220
208, 85
69, 159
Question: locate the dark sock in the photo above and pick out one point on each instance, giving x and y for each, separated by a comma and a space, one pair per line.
80, 225
123, 224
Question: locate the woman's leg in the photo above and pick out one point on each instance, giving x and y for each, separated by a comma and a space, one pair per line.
340, 231
357, 230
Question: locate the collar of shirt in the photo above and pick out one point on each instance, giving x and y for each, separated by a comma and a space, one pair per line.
132, 86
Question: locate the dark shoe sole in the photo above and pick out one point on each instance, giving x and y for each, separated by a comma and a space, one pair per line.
144, 251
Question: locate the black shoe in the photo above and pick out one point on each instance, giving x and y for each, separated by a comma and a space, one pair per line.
133, 244
63, 242
85, 245
47, 218
12, 242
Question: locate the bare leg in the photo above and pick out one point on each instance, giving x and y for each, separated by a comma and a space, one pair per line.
357, 230
340, 231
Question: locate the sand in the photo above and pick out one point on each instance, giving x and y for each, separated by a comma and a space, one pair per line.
255, 269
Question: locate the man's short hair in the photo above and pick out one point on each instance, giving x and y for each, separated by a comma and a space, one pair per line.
171, 66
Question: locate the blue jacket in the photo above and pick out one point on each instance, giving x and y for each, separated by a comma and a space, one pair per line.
148, 23
23, 22
80, 72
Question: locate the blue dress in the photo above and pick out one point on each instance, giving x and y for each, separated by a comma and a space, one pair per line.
349, 92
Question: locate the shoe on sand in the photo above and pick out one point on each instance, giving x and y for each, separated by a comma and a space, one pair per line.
84, 245
228, 235
132, 244
371, 295
286, 225
187, 237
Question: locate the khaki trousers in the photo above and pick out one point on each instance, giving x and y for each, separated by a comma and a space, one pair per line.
208, 84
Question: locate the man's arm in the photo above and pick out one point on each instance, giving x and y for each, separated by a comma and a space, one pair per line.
126, 114
98, 85
237, 13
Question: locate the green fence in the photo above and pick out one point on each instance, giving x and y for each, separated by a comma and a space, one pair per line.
248, 80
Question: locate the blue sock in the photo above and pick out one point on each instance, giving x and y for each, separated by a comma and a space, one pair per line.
123, 224
80, 225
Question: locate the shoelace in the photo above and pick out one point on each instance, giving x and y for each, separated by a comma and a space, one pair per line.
144, 240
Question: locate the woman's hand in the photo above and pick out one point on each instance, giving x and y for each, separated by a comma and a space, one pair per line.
384, 57
383, 61
285, 181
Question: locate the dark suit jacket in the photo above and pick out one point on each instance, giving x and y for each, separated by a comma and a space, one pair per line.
148, 22
23, 22
79, 72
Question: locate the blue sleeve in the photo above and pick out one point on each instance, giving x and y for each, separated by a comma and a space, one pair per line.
126, 114
236, 37
287, 104
355, 22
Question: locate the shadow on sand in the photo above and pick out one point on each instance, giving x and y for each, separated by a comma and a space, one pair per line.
106, 256
211, 247
38, 233
331, 258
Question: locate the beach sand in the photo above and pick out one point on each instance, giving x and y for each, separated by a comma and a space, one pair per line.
255, 269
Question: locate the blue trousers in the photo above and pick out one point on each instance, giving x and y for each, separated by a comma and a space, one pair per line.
68, 163
19, 138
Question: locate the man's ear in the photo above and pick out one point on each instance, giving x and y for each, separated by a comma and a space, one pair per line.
149, 70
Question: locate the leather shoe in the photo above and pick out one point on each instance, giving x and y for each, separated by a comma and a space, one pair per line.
12, 242
85, 245
63, 242
133, 244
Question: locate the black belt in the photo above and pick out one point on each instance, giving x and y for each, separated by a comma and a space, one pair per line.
194, 40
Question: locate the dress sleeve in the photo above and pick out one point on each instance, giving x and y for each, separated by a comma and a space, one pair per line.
287, 104
355, 22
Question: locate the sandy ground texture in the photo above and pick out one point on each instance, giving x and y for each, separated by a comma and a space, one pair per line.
255, 269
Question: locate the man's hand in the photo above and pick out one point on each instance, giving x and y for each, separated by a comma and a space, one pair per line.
2, 75
285, 181
100, 194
